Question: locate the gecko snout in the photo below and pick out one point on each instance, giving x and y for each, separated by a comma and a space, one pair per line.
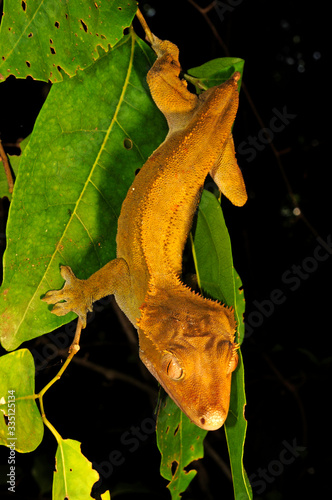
212, 420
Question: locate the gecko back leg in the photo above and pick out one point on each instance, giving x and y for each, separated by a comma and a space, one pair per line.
228, 176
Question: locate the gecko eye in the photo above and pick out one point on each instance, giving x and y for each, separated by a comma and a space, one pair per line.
172, 366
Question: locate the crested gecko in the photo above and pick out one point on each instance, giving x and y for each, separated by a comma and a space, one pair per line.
185, 340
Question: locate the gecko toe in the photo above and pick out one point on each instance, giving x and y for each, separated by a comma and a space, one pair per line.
61, 309
67, 274
53, 296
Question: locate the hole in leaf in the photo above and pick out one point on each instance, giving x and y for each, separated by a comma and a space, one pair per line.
24, 5
126, 31
176, 430
28, 64
119, 8
66, 16
103, 37
3, 58
96, 5
51, 41
30, 35
52, 49
128, 143
174, 466
6, 419
137, 171
84, 26
57, 24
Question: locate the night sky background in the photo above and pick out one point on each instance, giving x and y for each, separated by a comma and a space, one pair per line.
286, 271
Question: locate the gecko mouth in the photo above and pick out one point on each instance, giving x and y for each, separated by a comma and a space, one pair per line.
209, 420
213, 420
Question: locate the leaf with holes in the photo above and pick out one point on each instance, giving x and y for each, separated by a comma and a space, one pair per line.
89, 139
21, 426
41, 37
73, 476
180, 442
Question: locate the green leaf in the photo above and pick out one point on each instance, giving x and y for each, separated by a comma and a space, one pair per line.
217, 71
17, 403
235, 429
73, 176
73, 476
219, 279
213, 252
180, 442
41, 37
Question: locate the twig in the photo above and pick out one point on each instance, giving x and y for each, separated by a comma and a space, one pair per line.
148, 34
218, 460
127, 326
276, 153
75, 345
293, 390
204, 12
6, 167
108, 373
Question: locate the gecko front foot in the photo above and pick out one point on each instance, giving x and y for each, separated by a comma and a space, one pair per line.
73, 296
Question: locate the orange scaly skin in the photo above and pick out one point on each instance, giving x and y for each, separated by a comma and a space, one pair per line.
185, 340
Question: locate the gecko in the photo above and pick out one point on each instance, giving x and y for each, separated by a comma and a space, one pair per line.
186, 341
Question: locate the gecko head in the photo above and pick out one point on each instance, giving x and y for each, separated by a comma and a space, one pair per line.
188, 345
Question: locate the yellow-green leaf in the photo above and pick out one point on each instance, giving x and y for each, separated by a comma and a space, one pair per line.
74, 475
21, 425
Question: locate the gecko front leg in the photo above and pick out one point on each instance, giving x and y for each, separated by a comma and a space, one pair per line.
78, 295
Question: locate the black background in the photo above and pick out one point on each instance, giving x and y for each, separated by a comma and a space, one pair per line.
287, 350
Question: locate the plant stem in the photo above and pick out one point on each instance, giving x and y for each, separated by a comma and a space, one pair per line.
74, 348
57, 377
52, 429
148, 34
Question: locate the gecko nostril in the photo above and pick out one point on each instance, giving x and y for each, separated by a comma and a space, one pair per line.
202, 420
